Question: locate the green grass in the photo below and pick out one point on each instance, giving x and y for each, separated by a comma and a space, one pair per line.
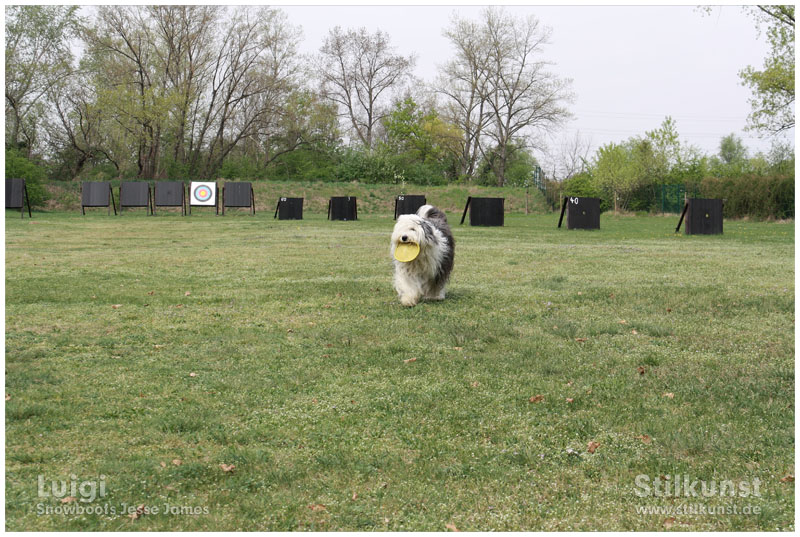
342, 410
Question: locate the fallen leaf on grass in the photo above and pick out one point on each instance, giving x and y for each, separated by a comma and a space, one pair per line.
669, 395
641, 370
623, 321
409, 360
458, 348
591, 447
669, 310
355, 496
136, 514
8, 397
669, 522
116, 306
581, 339
536, 399
570, 399
451, 527
474, 384
187, 293
787, 479
644, 438
192, 374
151, 293
68, 499
179, 306
634, 332
177, 462
317, 507
227, 468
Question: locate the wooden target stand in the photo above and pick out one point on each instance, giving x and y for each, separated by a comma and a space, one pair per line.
97, 194
484, 211
408, 204
582, 213
703, 216
289, 209
17, 196
135, 194
197, 197
170, 194
238, 195
343, 208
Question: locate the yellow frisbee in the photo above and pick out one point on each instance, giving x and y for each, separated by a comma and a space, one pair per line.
406, 251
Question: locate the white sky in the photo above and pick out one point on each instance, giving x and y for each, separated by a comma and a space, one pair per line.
631, 65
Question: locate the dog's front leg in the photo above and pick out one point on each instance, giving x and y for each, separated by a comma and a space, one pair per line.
410, 300
408, 289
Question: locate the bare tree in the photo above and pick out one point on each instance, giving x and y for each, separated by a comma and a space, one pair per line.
356, 70
253, 73
191, 81
573, 156
464, 82
186, 35
524, 97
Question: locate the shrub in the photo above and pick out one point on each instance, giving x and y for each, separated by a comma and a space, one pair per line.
18, 166
759, 197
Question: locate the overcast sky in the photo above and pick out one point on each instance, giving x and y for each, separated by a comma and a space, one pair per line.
631, 66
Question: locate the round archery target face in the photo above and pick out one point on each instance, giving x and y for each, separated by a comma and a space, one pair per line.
204, 193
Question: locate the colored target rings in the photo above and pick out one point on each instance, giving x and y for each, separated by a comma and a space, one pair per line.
203, 193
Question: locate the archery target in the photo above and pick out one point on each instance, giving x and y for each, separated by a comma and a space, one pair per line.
203, 193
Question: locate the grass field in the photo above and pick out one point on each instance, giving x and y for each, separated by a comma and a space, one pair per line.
152, 351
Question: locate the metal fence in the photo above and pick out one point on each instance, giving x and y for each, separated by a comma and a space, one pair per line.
674, 196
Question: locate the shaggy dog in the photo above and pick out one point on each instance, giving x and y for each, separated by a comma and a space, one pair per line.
427, 274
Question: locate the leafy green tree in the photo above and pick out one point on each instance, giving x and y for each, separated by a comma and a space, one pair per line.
732, 149
38, 55
616, 173
420, 135
358, 70
519, 167
773, 85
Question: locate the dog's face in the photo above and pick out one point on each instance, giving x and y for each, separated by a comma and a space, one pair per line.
409, 228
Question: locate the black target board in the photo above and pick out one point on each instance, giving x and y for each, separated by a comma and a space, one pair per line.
289, 209
135, 194
408, 204
484, 211
170, 194
238, 195
97, 194
582, 212
17, 196
703, 216
343, 208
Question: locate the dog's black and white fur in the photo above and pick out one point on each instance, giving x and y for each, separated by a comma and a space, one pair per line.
427, 275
